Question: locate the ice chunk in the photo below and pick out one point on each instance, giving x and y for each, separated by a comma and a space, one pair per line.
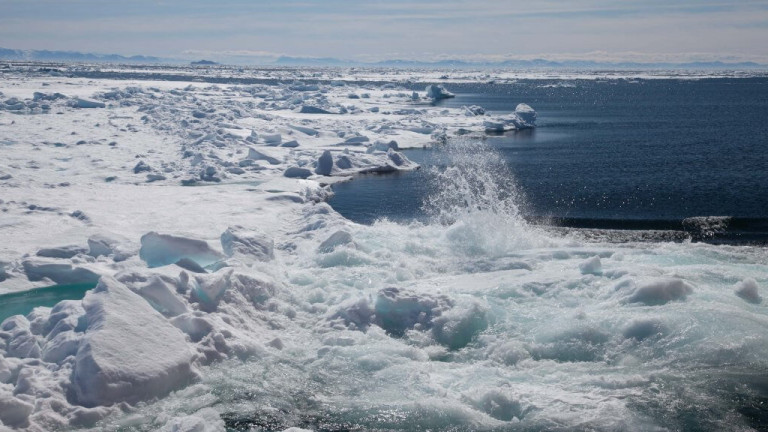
141, 167
457, 327
88, 417
297, 172
355, 313
119, 248
359, 139
437, 92
474, 110
308, 109
188, 264
195, 326
158, 290
526, 114
325, 164
344, 162
290, 144
262, 155
84, 103
207, 290
272, 139
129, 352
159, 250
21, 343
661, 291
250, 242
61, 346
748, 290
305, 130
335, 240
591, 266
64, 316
382, 146
398, 310
60, 272
61, 251
14, 412
397, 158
254, 288
495, 125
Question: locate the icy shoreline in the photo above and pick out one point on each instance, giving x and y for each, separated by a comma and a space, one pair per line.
231, 294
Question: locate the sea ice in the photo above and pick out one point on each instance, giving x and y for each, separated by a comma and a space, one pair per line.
159, 250
118, 359
59, 271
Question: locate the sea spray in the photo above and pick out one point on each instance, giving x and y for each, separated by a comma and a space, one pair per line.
476, 197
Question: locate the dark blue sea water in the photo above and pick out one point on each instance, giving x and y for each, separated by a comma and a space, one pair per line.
622, 154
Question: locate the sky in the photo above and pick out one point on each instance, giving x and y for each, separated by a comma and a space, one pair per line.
372, 30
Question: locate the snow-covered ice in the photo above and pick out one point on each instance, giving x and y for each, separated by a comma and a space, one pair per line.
230, 295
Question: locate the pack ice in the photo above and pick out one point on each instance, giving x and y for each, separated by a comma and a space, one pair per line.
223, 293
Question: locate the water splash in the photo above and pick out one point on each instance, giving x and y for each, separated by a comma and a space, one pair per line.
475, 194
477, 179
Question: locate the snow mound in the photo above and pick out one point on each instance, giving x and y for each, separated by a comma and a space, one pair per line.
118, 359
159, 250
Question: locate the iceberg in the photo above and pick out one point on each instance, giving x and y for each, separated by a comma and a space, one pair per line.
438, 92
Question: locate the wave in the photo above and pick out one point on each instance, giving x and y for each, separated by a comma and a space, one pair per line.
708, 229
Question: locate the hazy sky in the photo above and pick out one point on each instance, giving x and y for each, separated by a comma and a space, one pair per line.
650, 30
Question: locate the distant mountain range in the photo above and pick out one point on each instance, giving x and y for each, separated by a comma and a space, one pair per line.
45, 55
73, 56
517, 64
